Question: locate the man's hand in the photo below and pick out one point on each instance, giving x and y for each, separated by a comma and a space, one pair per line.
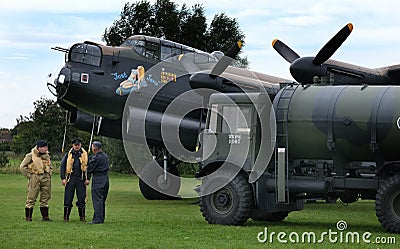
87, 182
64, 182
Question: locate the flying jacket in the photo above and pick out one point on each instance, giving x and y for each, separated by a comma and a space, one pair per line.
35, 163
83, 159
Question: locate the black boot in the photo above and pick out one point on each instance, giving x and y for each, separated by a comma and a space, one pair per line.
81, 211
67, 212
45, 213
28, 214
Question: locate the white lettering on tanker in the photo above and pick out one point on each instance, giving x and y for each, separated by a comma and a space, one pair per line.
234, 138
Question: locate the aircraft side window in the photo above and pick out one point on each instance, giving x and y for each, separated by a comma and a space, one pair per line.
176, 51
166, 52
152, 50
139, 47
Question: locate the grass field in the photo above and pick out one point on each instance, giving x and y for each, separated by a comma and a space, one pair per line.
133, 222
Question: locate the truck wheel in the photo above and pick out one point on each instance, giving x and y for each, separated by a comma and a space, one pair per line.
153, 186
269, 216
387, 204
230, 205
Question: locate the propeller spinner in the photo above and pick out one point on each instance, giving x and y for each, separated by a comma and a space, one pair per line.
303, 69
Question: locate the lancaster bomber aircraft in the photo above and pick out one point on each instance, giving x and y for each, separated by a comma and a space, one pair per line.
97, 80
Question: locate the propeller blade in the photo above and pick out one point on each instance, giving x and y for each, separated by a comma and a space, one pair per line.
224, 62
332, 45
287, 53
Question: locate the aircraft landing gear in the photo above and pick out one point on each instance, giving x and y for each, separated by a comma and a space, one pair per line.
159, 180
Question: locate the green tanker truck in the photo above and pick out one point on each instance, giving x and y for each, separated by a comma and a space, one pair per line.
261, 162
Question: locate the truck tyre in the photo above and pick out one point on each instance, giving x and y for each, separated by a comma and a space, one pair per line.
269, 216
230, 205
157, 187
387, 204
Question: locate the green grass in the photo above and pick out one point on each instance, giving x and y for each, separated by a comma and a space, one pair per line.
133, 222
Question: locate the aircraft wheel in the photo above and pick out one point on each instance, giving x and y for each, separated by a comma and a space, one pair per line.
331, 198
349, 196
154, 186
387, 204
230, 205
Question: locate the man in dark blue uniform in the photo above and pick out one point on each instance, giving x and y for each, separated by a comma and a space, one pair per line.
98, 170
74, 178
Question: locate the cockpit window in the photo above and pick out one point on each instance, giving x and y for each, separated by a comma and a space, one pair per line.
166, 52
144, 48
139, 47
152, 50
160, 49
86, 54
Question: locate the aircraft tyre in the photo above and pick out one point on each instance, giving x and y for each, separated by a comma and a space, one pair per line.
331, 198
158, 188
387, 204
231, 204
349, 196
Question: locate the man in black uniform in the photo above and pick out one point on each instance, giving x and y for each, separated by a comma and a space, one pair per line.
98, 169
74, 178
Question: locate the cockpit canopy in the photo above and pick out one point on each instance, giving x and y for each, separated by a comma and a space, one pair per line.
160, 49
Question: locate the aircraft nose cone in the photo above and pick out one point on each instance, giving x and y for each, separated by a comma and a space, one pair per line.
62, 82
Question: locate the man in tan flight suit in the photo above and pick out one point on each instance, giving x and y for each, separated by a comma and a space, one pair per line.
36, 166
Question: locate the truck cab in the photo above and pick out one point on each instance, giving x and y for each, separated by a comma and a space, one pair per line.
238, 158
231, 130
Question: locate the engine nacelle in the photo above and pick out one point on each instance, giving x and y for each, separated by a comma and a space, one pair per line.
100, 126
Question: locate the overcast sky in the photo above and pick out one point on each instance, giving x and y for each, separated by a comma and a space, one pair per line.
28, 29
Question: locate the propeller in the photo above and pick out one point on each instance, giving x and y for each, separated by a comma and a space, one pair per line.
209, 80
303, 69
187, 60
287, 53
333, 44
224, 62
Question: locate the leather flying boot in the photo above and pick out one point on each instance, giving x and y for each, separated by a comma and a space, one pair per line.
81, 211
28, 214
45, 213
67, 212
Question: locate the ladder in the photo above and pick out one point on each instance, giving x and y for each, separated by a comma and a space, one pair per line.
282, 144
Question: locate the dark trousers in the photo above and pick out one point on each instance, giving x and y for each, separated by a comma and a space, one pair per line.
100, 185
75, 184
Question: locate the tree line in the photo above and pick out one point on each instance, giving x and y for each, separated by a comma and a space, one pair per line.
186, 25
